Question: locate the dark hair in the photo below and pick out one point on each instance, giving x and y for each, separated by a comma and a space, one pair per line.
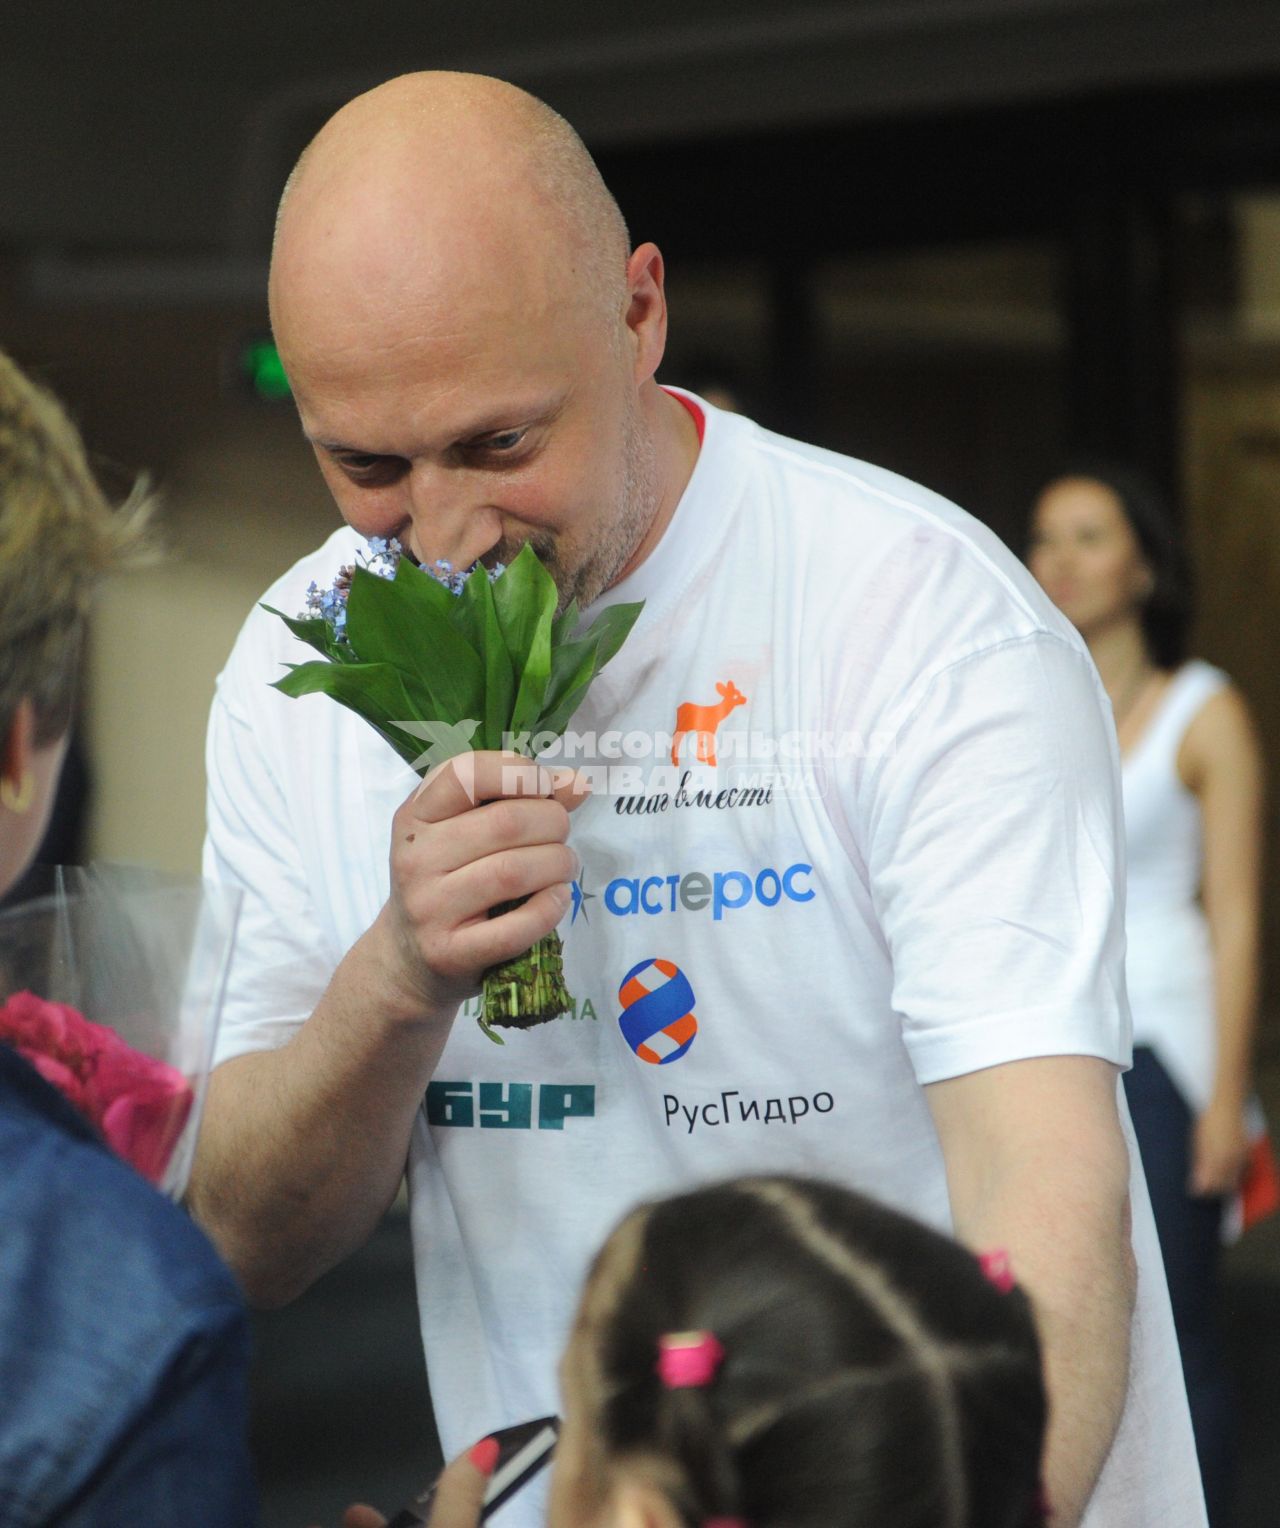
872, 1374
1167, 611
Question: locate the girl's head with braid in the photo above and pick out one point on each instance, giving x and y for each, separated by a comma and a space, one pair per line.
838, 1366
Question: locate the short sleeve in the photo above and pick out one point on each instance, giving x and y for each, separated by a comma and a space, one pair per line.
995, 856
281, 961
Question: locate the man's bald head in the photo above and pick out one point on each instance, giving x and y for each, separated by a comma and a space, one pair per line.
437, 173
471, 343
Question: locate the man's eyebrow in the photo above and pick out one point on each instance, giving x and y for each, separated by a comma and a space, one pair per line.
335, 446
540, 411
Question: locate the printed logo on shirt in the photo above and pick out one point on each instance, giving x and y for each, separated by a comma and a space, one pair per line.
722, 891
509, 1105
581, 896
657, 1019
731, 1107
752, 787
580, 1008
702, 722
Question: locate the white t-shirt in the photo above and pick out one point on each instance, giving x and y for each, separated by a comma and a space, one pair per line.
769, 955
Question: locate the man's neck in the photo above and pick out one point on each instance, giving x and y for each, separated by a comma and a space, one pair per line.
675, 438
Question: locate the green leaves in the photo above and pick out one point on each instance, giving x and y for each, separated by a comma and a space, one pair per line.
575, 664
479, 615
375, 691
402, 622
416, 656
316, 632
525, 598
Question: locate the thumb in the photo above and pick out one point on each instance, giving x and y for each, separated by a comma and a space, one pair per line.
360, 1516
460, 1493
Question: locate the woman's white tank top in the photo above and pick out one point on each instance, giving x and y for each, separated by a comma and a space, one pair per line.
1169, 966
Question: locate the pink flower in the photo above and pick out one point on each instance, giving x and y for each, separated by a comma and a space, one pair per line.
60, 1076
138, 1103
143, 1106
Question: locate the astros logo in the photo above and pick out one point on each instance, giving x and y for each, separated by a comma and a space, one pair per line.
657, 1018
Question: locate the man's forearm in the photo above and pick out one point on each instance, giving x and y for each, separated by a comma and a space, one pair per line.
1071, 1251
303, 1148
1037, 1164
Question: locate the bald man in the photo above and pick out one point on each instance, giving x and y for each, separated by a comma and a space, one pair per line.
898, 962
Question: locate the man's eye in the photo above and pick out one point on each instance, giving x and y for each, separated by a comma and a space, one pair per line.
366, 468
505, 440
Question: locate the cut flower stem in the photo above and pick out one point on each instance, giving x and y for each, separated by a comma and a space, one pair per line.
527, 989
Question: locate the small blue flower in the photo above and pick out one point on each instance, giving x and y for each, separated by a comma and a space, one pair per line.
381, 559
455, 579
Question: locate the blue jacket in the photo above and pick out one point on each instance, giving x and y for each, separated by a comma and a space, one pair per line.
124, 1342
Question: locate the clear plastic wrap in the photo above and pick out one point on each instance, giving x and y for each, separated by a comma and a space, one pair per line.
145, 955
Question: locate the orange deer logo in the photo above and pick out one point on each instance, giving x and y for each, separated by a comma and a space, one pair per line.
702, 721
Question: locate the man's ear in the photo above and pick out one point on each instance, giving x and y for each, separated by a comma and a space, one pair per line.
647, 309
18, 748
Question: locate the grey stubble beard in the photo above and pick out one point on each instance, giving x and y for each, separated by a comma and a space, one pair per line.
586, 577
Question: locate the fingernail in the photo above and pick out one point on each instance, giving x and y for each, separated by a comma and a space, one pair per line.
485, 1456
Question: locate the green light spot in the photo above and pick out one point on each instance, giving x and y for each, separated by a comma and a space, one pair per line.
262, 365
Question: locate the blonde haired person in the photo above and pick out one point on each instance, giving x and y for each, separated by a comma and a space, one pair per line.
123, 1338
58, 537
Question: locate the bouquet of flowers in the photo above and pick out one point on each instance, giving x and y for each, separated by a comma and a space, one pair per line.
459, 659
145, 955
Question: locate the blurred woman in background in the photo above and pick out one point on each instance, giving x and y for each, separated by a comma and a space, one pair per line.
1104, 548
123, 1339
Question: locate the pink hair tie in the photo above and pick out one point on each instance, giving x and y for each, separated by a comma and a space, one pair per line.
997, 1269
688, 1360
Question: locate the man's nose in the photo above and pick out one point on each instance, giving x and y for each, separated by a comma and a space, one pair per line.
452, 519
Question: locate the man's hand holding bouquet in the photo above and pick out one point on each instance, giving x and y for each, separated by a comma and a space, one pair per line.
460, 672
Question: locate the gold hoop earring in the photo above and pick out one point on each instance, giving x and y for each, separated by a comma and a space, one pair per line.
18, 799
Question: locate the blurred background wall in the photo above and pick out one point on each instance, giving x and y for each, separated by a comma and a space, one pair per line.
957, 239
